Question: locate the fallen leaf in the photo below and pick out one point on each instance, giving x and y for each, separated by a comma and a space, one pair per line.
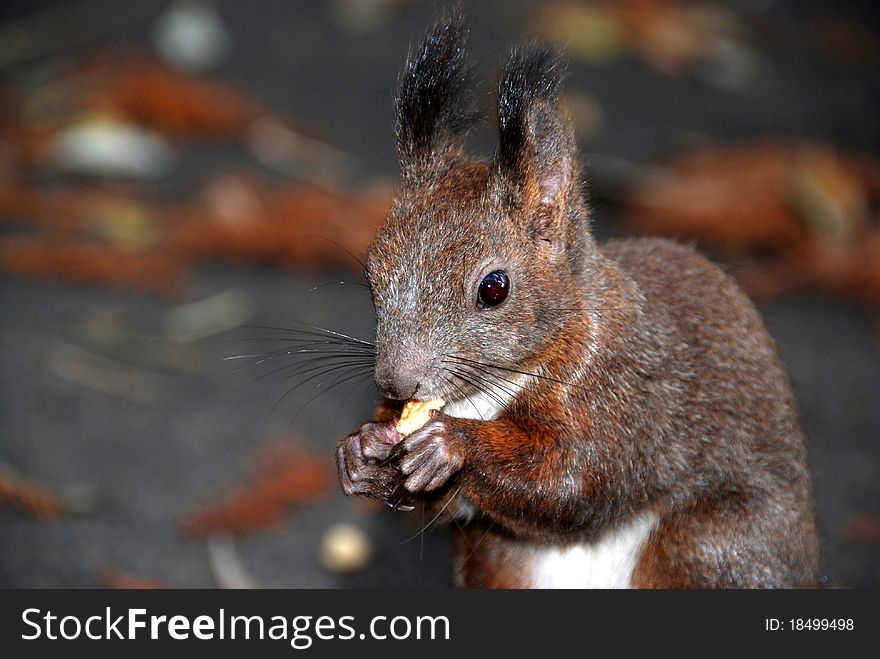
756, 197
120, 580
177, 104
590, 32
849, 270
23, 493
286, 476
852, 44
90, 263
91, 236
302, 225
671, 37
282, 149
863, 529
214, 314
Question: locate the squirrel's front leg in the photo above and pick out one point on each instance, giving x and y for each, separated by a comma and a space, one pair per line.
430, 456
531, 480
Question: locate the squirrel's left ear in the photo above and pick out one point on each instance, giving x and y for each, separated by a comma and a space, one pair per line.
536, 162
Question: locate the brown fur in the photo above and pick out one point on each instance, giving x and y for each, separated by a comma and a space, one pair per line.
654, 383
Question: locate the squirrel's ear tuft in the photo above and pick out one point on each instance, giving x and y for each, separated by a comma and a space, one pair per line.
433, 103
537, 154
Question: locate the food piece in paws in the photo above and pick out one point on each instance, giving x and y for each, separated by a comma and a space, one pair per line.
417, 413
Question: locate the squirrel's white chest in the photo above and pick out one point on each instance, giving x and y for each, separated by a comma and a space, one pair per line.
606, 563
488, 403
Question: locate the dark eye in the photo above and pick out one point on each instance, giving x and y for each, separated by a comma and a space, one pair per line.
494, 289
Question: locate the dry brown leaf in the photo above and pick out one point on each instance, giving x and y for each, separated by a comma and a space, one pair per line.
807, 210
119, 580
863, 529
180, 105
286, 476
94, 237
22, 493
91, 263
301, 225
671, 36
850, 270
82, 209
105, 233
850, 43
589, 31
763, 196
668, 35
123, 88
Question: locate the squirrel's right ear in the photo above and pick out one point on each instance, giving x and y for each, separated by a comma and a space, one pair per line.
432, 106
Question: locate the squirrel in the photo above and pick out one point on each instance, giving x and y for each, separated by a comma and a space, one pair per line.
618, 414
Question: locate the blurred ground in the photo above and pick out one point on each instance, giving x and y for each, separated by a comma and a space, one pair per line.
107, 403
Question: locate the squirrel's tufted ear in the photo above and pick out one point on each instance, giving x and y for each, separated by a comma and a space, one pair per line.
433, 106
536, 160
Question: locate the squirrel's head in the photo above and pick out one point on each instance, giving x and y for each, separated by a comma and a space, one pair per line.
479, 262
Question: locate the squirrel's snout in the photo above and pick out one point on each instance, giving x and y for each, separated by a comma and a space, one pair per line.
399, 379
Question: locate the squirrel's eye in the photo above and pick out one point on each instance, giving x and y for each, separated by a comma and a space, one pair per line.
494, 289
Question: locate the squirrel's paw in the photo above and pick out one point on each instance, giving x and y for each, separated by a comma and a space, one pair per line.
361, 460
429, 457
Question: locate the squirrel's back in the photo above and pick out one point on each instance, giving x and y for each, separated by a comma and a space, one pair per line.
737, 415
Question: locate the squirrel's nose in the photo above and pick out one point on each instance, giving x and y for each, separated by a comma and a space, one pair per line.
399, 381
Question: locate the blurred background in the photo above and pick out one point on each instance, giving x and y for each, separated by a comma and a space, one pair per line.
186, 188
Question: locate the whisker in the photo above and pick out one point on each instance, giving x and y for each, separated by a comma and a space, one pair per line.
336, 383
320, 329
333, 242
513, 370
493, 380
586, 309
298, 367
308, 338
321, 373
282, 352
322, 334
464, 394
476, 386
480, 541
335, 366
348, 394
338, 283
293, 351
435, 518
